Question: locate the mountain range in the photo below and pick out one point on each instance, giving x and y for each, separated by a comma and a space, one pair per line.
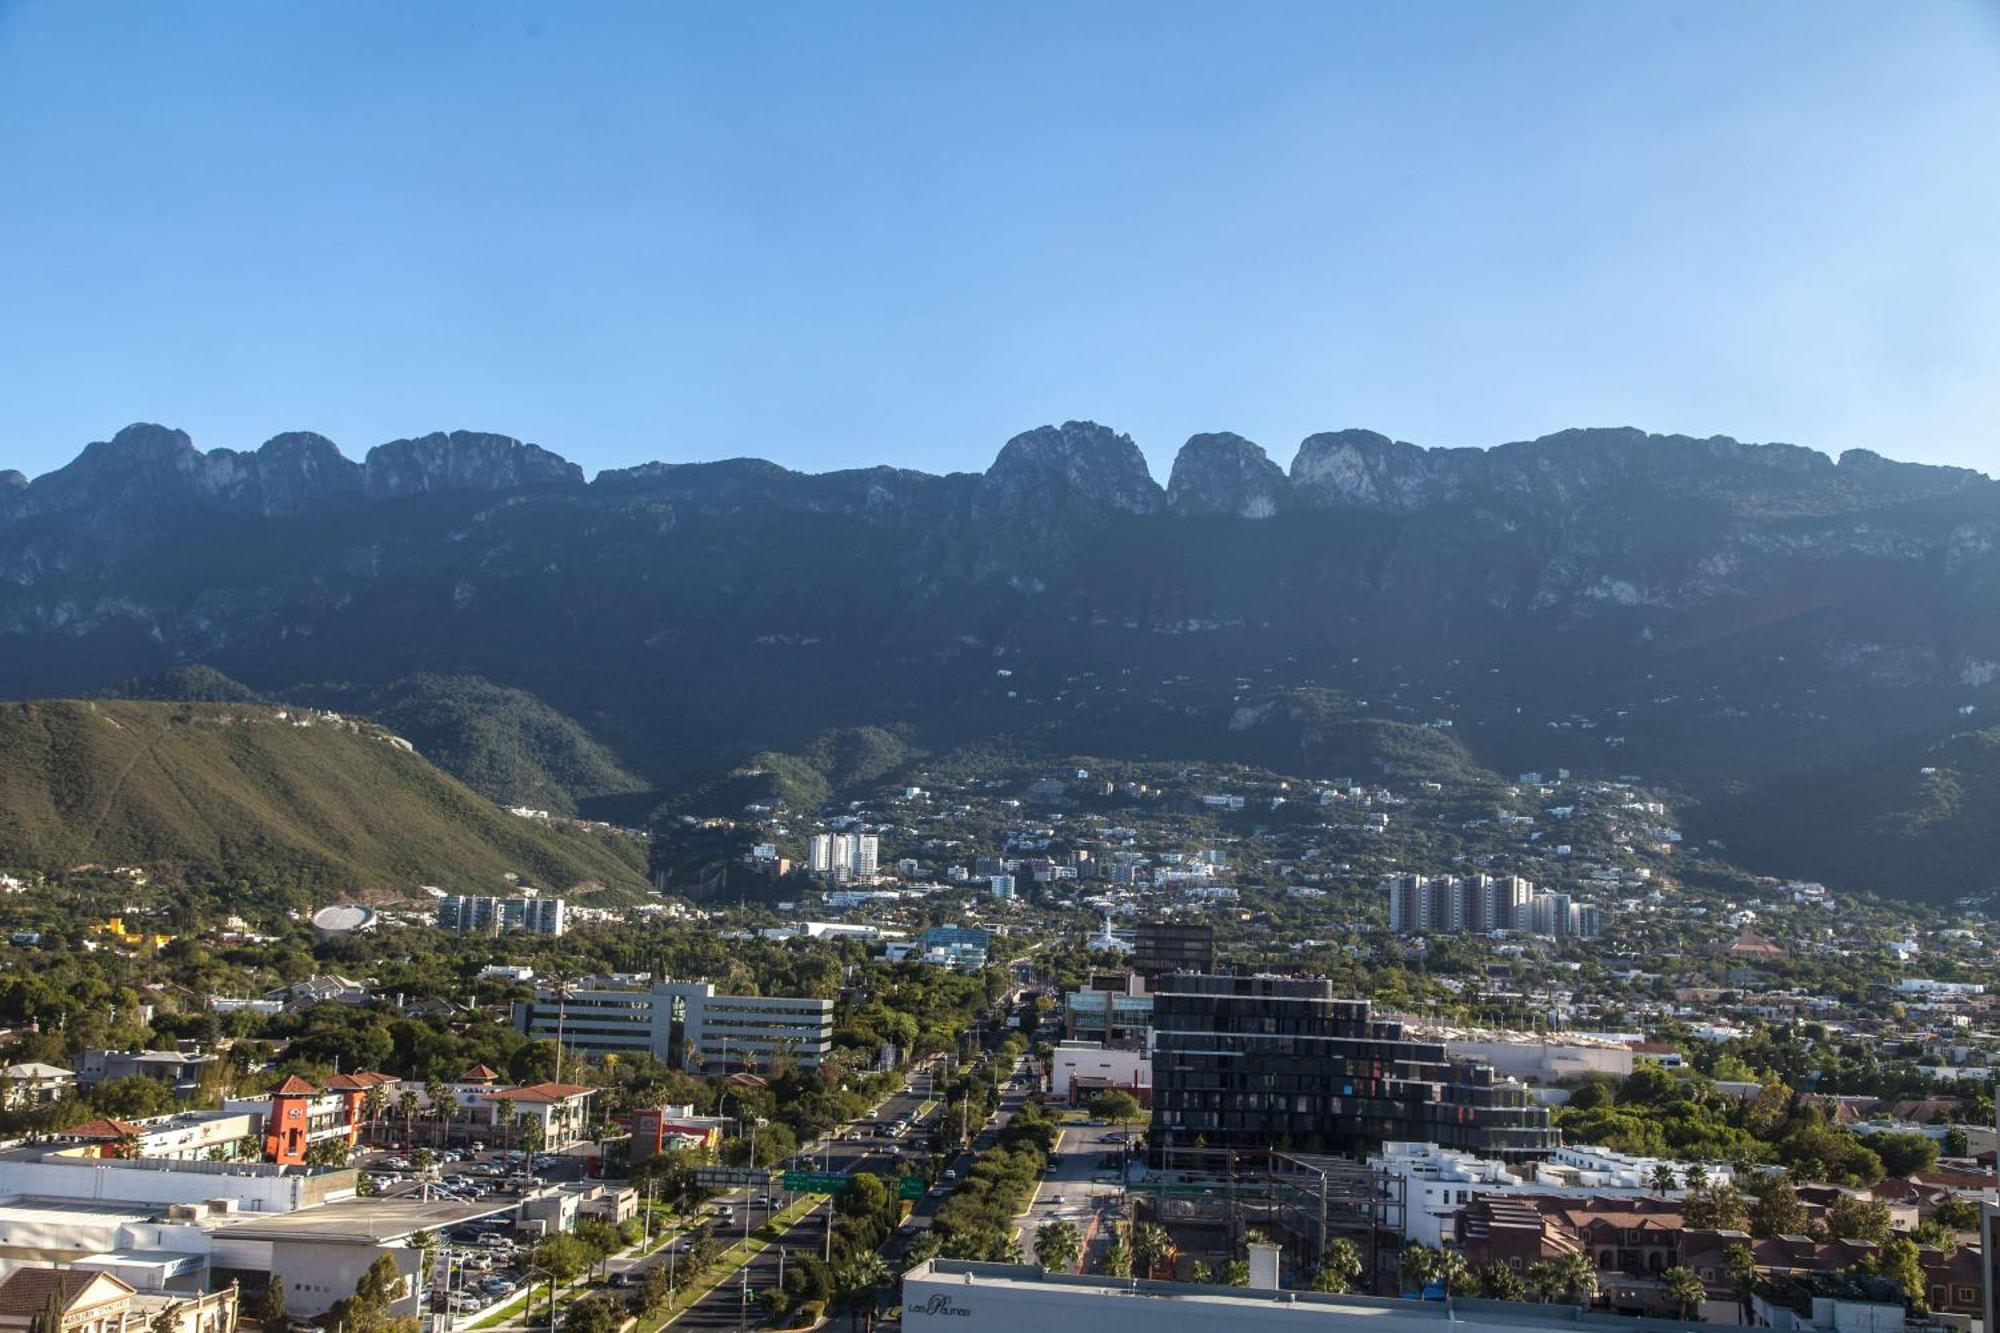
1731, 619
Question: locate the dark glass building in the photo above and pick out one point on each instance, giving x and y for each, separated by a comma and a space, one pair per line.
1161, 947
1278, 1062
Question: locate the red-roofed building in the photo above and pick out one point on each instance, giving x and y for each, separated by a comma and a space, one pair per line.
563, 1109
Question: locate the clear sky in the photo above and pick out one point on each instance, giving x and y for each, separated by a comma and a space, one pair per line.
834, 234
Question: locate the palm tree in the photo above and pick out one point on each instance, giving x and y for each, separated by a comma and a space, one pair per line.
1117, 1260
407, 1105
1150, 1247
1579, 1278
1662, 1179
1696, 1176
1741, 1266
439, 1098
1452, 1271
1419, 1265
1543, 1281
1684, 1291
1338, 1267
1497, 1282
1058, 1246
371, 1103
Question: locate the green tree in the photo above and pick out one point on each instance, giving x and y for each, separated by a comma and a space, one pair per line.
1339, 1266
1849, 1217
1720, 1207
1150, 1247
566, 1257
271, 1310
1904, 1154
1900, 1262
1543, 1281
1116, 1261
1662, 1179
1777, 1211
1741, 1266
1684, 1291
1498, 1282
1419, 1265
1117, 1106
1057, 1246
593, 1315
1955, 1143
1578, 1277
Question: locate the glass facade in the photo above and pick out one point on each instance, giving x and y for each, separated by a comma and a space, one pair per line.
1276, 1062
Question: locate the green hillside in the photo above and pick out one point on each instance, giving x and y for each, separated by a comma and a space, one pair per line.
273, 798
1924, 826
503, 743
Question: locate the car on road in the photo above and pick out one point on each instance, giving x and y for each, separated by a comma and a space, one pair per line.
1055, 1200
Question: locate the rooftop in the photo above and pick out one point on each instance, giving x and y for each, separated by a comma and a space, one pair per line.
1217, 1306
363, 1221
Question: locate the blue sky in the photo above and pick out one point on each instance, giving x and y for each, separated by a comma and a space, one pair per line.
840, 234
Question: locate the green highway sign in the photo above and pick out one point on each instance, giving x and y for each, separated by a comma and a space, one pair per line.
910, 1187
814, 1182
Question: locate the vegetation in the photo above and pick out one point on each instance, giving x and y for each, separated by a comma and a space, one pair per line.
300, 806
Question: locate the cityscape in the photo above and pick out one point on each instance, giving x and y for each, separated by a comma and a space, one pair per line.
936, 668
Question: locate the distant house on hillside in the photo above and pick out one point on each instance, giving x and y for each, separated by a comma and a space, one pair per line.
1749, 944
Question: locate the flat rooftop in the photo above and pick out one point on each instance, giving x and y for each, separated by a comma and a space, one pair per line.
33, 1209
1214, 1306
363, 1221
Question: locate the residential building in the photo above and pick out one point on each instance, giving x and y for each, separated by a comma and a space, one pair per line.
180, 1070
34, 1084
684, 1023
1257, 1061
468, 915
1480, 904
843, 856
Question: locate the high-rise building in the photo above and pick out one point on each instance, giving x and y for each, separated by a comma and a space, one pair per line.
470, 915
1450, 904
1267, 1061
1161, 947
844, 856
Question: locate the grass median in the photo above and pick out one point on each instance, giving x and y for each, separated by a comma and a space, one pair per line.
726, 1264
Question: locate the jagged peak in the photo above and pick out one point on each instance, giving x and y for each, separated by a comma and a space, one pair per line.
464, 461
1223, 473
1078, 460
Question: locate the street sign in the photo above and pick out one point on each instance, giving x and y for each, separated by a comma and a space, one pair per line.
911, 1187
730, 1177
814, 1182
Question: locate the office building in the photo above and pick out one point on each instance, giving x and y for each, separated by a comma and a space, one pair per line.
1263, 1061
1161, 947
1113, 1009
465, 915
684, 1023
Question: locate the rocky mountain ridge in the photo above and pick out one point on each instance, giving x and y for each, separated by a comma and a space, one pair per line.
1047, 470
